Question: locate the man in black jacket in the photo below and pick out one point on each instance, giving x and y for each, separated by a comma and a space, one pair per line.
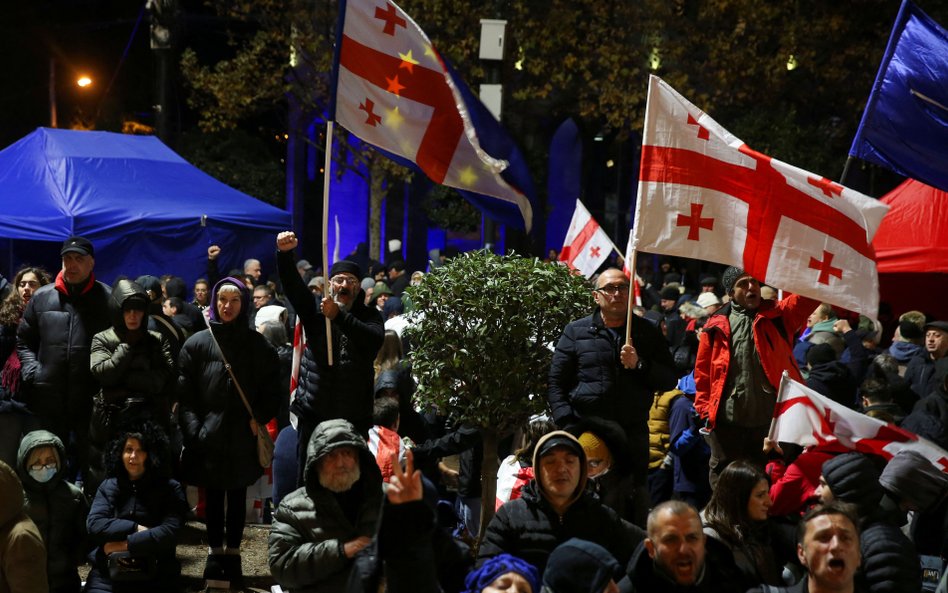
595, 373
53, 342
345, 389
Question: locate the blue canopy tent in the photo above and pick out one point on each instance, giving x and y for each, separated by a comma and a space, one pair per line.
146, 209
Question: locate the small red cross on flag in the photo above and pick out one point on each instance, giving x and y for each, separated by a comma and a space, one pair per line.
707, 195
586, 245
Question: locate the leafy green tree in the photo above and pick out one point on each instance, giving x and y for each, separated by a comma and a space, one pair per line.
483, 343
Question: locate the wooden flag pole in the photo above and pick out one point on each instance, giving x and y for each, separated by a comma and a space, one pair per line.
328, 288
628, 313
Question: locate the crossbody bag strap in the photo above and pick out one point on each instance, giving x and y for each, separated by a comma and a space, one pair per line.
230, 371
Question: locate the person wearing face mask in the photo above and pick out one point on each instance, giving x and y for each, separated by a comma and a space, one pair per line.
57, 507
345, 389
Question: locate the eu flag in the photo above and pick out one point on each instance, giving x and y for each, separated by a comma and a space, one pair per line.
905, 124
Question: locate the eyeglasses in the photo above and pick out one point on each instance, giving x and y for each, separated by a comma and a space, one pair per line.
613, 289
340, 280
37, 467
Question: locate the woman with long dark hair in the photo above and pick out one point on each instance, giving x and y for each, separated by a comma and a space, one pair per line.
135, 517
15, 420
220, 443
736, 516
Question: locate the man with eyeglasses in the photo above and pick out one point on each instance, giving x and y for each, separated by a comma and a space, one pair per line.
596, 374
345, 389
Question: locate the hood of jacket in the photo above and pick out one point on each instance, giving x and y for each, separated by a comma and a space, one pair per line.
12, 499
904, 351
580, 566
555, 439
387, 380
330, 435
243, 318
32, 440
126, 291
912, 477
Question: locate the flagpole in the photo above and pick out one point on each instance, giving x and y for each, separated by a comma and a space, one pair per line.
328, 289
628, 313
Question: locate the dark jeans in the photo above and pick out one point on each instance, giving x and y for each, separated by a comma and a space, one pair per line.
217, 524
730, 442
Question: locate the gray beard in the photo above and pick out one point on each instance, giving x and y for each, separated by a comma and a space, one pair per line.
340, 483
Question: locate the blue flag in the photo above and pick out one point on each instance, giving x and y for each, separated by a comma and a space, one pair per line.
905, 124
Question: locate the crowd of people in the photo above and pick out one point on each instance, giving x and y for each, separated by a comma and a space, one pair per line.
651, 471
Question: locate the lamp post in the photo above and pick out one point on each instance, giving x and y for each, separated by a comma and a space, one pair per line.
83, 81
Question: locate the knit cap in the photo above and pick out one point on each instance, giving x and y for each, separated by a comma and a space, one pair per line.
595, 447
497, 566
853, 478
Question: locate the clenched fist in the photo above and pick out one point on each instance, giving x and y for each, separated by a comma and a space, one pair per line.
287, 241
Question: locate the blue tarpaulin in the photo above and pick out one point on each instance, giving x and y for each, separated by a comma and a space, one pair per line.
146, 209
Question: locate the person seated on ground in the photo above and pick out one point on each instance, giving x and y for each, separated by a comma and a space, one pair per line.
579, 566
22, 553
554, 507
135, 517
58, 508
319, 529
607, 464
828, 546
503, 574
889, 561
736, 516
672, 558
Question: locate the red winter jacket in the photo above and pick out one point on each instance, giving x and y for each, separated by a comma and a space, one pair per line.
774, 328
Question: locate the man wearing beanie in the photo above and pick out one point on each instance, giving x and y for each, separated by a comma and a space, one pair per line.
594, 373
345, 389
554, 507
743, 351
889, 561
579, 566
57, 385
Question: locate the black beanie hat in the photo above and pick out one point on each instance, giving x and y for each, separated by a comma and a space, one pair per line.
820, 354
345, 266
731, 276
910, 330
854, 478
670, 293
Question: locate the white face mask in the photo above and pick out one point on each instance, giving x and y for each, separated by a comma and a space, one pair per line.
43, 474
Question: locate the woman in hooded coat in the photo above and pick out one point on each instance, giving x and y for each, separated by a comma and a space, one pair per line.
220, 445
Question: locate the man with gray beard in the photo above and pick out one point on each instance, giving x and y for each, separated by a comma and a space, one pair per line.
345, 389
319, 529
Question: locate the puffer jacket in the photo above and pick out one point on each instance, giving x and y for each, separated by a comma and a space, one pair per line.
889, 561
310, 527
220, 451
54, 342
343, 390
774, 326
659, 433
22, 553
587, 379
141, 369
59, 510
530, 528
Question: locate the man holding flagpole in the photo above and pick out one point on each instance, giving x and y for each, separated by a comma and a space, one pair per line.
596, 372
743, 351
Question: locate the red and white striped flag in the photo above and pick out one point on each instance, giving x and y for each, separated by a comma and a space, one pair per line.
630, 273
705, 194
586, 245
805, 417
299, 344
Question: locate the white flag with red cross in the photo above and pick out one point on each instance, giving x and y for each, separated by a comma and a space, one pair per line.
586, 245
705, 194
805, 417
395, 92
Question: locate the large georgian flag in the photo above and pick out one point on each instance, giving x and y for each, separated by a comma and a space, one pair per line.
705, 194
805, 417
586, 245
395, 92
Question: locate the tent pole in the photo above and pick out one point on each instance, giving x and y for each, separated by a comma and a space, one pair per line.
326, 177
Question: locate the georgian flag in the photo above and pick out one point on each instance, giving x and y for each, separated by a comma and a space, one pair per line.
805, 417
394, 91
586, 245
299, 344
705, 194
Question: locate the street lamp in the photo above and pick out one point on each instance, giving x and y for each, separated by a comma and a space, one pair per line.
83, 81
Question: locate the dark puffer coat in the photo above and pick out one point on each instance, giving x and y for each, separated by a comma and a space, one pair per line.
59, 510
220, 450
345, 389
310, 526
121, 505
54, 340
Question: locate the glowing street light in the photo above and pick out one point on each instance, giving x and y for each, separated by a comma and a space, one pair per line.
84, 81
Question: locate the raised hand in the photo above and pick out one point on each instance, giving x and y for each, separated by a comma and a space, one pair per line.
287, 241
405, 485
